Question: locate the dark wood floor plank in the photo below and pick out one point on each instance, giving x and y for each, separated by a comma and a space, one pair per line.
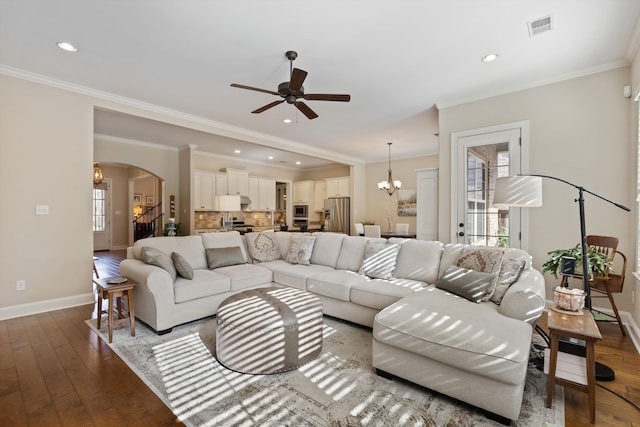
12, 410
42, 412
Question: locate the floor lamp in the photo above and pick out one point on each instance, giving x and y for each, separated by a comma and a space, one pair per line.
525, 191
228, 203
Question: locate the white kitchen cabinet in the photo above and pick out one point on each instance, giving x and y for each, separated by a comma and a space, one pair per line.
319, 194
267, 194
204, 185
262, 192
338, 187
237, 181
302, 192
254, 194
221, 184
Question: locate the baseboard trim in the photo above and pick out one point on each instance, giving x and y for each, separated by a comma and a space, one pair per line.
37, 307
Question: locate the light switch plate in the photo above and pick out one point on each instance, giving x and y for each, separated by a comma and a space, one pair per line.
42, 210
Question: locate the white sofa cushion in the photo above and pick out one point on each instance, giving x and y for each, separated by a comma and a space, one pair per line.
301, 249
352, 253
244, 276
294, 275
225, 239
418, 259
334, 283
190, 247
379, 293
204, 283
327, 248
456, 332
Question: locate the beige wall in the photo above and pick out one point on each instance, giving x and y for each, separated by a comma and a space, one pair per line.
380, 205
580, 131
46, 155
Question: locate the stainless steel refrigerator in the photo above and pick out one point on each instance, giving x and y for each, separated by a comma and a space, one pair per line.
337, 214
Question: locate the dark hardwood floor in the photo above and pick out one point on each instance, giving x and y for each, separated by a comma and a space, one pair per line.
55, 371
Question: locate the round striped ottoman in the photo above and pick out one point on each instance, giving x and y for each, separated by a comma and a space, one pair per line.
268, 330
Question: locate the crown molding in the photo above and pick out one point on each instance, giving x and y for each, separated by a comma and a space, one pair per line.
560, 78
137, 143
196, 122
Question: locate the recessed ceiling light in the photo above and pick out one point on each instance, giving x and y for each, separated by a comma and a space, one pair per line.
237, 151
298, 163
67, 46
270, 157
490, 57
287, 120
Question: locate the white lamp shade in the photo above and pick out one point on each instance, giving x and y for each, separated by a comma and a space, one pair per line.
518, 192
230, 203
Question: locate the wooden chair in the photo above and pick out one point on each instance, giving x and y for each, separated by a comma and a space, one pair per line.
372, 231
612, 282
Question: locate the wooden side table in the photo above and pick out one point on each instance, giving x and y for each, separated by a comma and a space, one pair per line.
111, 292
582, 327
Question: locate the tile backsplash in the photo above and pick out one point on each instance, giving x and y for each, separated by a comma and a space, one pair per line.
212, 219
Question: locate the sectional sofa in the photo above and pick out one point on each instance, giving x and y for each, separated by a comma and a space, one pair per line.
430, 324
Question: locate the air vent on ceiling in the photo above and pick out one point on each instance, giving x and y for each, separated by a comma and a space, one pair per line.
540, 25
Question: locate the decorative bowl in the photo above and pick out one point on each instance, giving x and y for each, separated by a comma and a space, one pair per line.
568, 299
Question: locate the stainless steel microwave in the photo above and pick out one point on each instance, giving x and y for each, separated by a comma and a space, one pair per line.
301, 211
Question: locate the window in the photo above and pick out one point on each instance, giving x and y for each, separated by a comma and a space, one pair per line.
99, 204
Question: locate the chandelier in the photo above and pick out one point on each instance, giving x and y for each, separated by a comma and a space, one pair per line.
390, 186
97, 174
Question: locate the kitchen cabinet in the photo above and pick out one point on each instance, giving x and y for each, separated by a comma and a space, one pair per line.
303, 192
338, 187
237, 181
262, 192
319, 194
206, 186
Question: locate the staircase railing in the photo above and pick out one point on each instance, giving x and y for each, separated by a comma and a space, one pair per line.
148, 223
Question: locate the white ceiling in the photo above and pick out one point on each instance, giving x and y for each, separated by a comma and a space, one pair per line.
397, 59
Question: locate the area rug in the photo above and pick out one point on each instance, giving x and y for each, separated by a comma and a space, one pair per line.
339, 388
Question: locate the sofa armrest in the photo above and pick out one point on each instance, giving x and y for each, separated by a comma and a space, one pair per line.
525, 299
154, 292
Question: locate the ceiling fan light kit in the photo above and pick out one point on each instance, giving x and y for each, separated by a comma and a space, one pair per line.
292, 91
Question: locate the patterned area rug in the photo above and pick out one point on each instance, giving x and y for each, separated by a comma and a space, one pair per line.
339, 388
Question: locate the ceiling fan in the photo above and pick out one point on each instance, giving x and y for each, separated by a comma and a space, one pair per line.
292, 91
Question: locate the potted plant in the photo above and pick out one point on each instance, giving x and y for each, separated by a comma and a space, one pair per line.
599, 265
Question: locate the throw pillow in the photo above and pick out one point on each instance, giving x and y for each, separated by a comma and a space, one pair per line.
182, 266
484, 261
262, 246
301, 249
469, 284
380, 260
153, 256
223, 257
509, 273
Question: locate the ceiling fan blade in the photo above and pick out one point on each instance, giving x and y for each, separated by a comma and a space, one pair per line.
327, 97
266, 107
306, 110
297, 78
255, 88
